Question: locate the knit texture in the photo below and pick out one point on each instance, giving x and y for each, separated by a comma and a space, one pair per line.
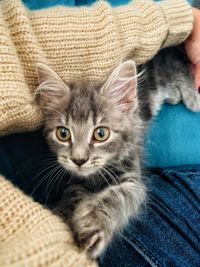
31, 236
79, 43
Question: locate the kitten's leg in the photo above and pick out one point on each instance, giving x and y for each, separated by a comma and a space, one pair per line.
190, 96
70, 199
173, 95
98, 217
183, 91
175, 80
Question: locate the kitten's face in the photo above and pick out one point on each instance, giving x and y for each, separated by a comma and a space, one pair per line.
85, 145
88, 127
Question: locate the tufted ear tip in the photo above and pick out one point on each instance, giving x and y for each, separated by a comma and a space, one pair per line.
121, 86
44, 72
129, 64
52, 88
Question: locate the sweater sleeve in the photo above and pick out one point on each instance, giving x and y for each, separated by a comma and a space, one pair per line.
178, 15
150, 26
95, 39
32, 236
80, 43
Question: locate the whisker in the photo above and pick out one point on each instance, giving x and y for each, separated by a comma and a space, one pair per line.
42, 180
99, 170
113, 173
37, 162
70, 179
44, 170
63, 173
51, 178
39, 183
113, 178
55, 178
117, 167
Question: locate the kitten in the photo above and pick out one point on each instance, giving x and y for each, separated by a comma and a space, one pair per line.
97, 134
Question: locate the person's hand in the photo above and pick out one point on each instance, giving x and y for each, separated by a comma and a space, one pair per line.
192, 48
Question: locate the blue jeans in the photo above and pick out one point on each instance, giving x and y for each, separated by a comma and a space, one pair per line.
166, 233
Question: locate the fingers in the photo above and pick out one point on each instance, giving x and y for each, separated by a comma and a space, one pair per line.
192, 48
197, 75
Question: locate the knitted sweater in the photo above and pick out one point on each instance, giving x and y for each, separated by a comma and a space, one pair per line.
31, 236
78, 43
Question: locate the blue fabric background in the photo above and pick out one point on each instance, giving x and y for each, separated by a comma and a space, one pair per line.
173, 138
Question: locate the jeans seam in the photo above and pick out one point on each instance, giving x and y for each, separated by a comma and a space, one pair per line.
145, 253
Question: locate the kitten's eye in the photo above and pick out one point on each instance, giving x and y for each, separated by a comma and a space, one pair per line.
101, 134
63, 134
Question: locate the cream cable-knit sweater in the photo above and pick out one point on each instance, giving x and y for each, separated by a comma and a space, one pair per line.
78, 43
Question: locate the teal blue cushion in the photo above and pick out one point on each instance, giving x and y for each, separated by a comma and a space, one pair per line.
173, 138
38, 4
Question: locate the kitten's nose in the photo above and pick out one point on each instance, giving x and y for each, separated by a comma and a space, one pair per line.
79, 162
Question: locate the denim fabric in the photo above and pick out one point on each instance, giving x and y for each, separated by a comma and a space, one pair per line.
167, 233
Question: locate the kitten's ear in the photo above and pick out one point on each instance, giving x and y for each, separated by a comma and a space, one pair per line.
121, 87
51, 87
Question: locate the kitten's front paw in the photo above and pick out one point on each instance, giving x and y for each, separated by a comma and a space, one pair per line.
70, 199
89, 229
191, 99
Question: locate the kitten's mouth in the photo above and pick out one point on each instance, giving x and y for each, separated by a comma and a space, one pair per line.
84, 170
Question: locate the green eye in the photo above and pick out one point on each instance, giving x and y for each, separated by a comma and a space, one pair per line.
63, 134
101, 134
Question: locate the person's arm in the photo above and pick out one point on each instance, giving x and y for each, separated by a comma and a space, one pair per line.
95, 38
80, 43
87, 42
155, 26
32, 236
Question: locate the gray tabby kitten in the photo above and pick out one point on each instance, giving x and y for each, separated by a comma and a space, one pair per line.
97, 134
